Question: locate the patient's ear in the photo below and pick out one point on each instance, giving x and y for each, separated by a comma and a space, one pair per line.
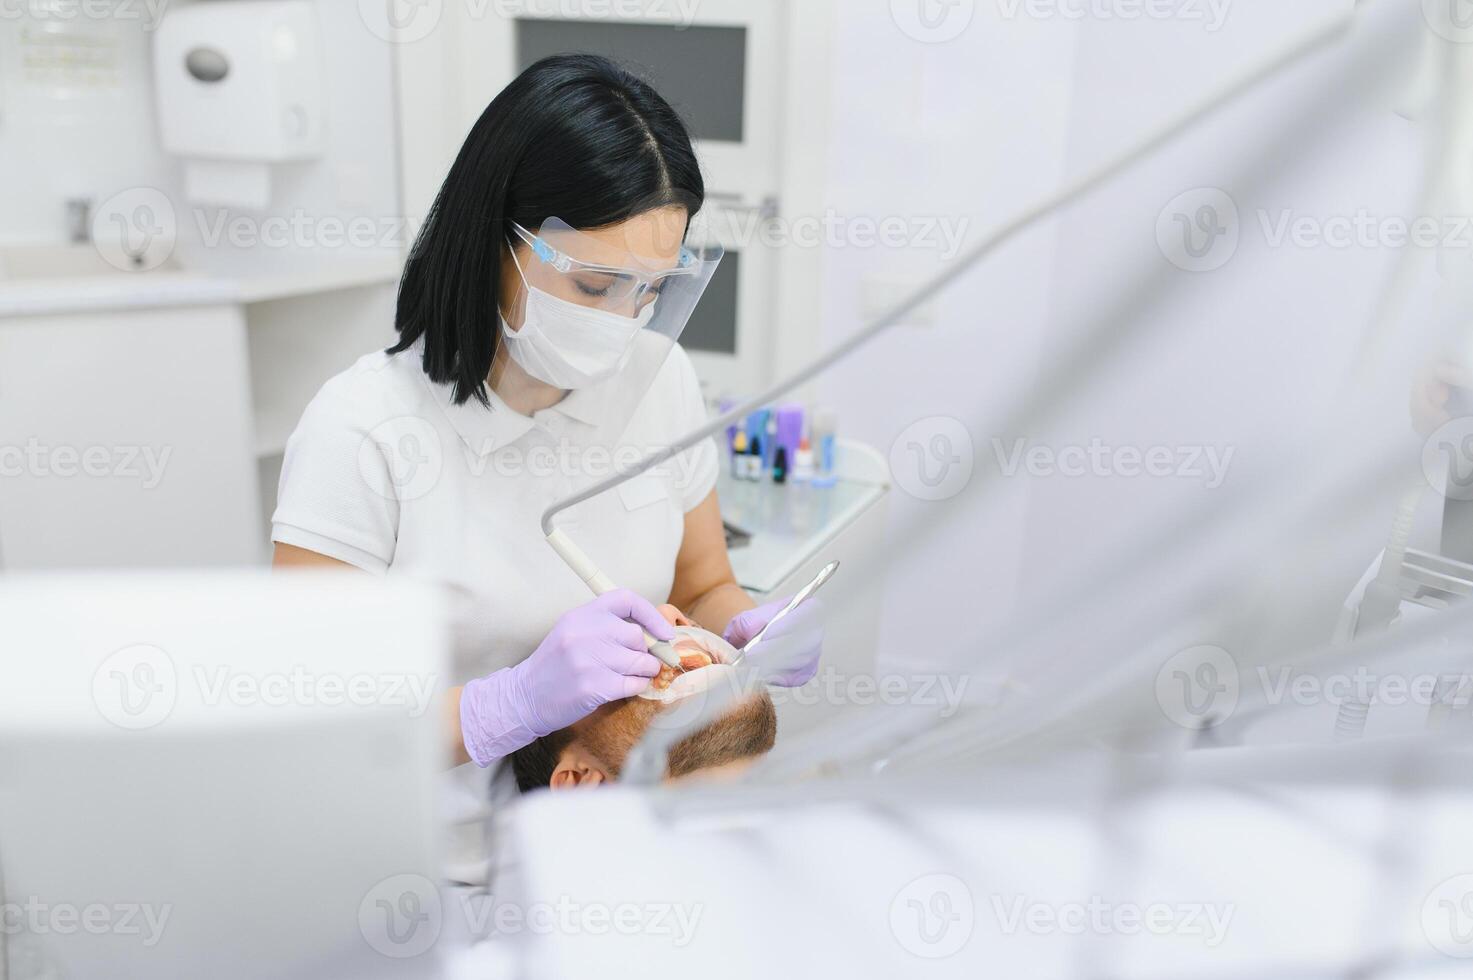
577, 767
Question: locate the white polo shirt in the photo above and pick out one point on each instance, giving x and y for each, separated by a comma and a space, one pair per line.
386, 473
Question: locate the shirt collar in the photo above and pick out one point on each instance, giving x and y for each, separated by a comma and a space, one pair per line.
586, 405
483, 428
487, 428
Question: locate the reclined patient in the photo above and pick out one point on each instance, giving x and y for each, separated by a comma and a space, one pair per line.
592, 751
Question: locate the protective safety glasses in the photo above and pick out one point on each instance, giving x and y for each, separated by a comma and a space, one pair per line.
601, 272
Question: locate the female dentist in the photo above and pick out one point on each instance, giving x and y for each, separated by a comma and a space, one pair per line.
537, 317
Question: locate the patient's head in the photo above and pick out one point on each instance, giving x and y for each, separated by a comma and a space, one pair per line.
593, 750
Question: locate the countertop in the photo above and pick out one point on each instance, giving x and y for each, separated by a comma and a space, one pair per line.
145, 290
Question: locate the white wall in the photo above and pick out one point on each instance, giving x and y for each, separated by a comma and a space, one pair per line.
1242, 360
977, 127
959, 132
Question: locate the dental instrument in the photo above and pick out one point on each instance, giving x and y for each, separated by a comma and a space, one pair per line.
600, 583
824, 574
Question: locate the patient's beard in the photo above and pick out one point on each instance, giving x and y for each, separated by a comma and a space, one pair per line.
743, 732
611, 731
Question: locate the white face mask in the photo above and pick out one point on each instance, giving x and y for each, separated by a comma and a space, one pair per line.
570, 346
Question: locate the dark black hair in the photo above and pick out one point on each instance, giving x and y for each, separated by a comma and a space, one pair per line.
534, 764
574, 137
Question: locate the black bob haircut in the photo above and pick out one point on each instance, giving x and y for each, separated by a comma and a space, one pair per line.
574, 137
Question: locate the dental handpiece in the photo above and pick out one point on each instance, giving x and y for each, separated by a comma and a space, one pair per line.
600, 583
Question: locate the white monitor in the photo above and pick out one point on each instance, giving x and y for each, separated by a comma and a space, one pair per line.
216, 775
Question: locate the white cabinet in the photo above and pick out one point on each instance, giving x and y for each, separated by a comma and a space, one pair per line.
126, 439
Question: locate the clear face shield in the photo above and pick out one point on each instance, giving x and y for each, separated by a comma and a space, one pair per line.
596, 316
594, 305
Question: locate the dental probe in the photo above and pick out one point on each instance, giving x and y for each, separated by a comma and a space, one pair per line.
824, 574
600, 583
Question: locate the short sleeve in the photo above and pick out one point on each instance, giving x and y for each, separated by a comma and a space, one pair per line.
696, 468
336, 496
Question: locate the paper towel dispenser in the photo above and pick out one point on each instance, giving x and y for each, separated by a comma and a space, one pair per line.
239, 86
207, 64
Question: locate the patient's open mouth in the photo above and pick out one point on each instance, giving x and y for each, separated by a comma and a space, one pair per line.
693, 656
696, 649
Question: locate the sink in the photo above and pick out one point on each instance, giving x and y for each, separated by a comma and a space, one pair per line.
29, 262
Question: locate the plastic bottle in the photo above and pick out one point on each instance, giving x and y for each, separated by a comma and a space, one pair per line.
825, 425
739, 456
754, 459
803, 462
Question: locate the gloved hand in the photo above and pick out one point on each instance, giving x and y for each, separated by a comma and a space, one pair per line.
792, 647
593, 655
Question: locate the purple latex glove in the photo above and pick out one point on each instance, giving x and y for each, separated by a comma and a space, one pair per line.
791, 648
593, 655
